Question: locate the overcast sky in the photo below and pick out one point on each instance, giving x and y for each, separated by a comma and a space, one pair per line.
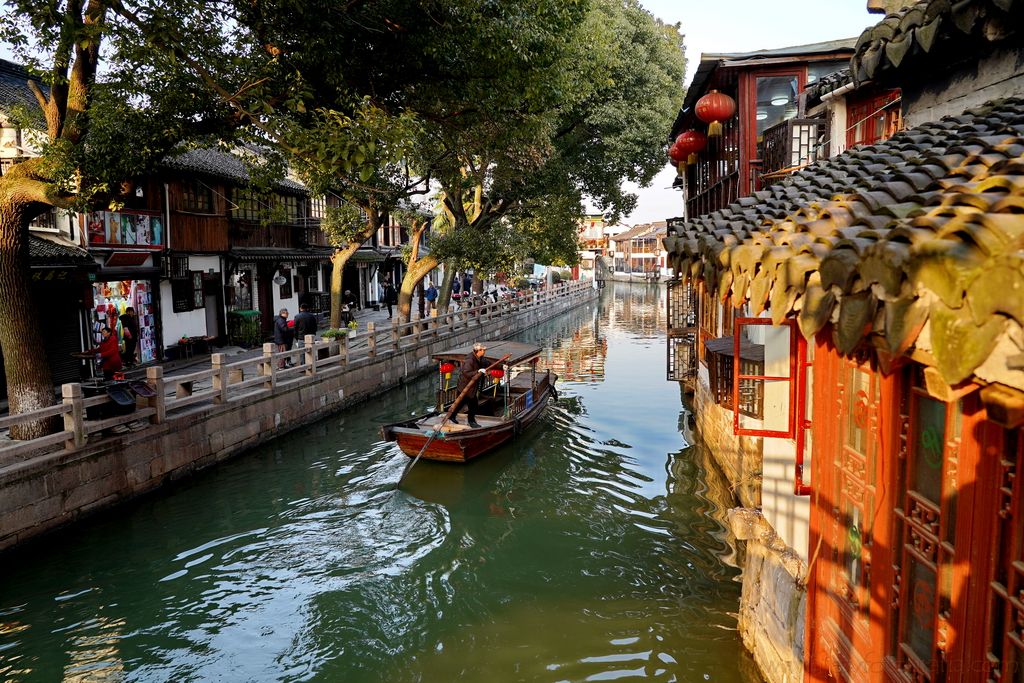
740, 26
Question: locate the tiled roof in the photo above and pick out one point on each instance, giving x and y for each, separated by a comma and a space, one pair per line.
915, 243
220, 164
642, 230
828, 83
14, 90
931, 31
55, 251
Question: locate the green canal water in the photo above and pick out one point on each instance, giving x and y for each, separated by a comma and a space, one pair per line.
593, 548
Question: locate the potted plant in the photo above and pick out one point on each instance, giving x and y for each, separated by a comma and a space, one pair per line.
334, 333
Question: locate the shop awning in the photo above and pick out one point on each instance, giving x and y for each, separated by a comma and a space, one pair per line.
279, 255
123, 259
366, 256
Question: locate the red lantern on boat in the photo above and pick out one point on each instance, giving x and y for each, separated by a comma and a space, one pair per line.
447, 367
714, 108
497, 373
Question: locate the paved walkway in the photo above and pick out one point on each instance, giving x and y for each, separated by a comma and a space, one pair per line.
236, 353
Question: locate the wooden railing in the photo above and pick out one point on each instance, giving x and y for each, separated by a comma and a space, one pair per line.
787, 147
226, 382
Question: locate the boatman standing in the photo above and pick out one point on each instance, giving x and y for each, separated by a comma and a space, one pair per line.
471, 368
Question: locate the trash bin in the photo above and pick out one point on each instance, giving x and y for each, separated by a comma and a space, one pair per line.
120, 392
244, 328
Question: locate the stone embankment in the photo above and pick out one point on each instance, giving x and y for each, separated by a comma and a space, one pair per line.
201, 418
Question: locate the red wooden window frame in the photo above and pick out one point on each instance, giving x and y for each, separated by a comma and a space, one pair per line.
797, 352
874, 118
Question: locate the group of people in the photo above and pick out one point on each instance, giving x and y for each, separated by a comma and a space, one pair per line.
286, 331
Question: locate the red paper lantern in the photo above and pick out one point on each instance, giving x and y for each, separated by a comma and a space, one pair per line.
714, 108
692, 142
447, 368
497, 373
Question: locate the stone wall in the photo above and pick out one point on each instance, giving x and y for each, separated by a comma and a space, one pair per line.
773, 600
739, 457
56, 489
998, 75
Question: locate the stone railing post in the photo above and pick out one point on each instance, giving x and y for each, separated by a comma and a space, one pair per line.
220, 378
394, 333
155, 380
74, 421
371, 339
311, 354
344, 350
268, 368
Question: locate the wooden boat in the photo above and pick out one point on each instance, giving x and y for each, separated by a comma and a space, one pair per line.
509, 403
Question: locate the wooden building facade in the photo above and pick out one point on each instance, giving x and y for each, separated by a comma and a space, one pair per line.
896, 261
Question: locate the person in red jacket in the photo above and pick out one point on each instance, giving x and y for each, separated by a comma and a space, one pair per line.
110, 353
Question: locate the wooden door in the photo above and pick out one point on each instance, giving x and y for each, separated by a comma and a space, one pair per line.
936, 509
855, 440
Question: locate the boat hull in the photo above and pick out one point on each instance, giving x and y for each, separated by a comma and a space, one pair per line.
465, 444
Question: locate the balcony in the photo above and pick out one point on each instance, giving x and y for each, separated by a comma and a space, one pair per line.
789, 146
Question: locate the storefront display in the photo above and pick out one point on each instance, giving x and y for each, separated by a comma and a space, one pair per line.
125, 228
112, 299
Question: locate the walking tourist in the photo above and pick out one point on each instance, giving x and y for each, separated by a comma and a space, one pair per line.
471, 367
390, 296
283, 335
430, 294
305, 322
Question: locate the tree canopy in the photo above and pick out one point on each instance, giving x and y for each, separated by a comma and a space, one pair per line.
511, 113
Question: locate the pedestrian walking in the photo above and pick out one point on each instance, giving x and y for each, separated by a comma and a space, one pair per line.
430, 295
305, 323
390, 297
467, 284
284, 335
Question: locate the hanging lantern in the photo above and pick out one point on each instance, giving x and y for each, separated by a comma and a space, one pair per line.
678, 156
714, 108
692, 142
497, 373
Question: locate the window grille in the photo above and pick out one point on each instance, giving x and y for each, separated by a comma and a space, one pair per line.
719, 359
195, 196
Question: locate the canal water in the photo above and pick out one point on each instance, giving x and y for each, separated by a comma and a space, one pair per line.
592, 548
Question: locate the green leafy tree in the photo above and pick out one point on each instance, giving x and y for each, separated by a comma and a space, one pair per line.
515, 177
95, 135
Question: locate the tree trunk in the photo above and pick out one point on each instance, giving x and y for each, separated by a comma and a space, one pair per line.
29, 382
414, 274
339, 258
444, 293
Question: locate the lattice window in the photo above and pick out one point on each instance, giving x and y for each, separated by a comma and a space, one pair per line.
709, 309
1004, 653
246, 204
196, 196
925, 522
720, 361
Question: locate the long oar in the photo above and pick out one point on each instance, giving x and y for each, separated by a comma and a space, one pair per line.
450, 412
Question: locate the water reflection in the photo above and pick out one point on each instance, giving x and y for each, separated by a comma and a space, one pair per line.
593, 547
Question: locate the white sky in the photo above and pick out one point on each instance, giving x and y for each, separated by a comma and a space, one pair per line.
739, 26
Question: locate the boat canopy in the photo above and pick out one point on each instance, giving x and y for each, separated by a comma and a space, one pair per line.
518, 352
